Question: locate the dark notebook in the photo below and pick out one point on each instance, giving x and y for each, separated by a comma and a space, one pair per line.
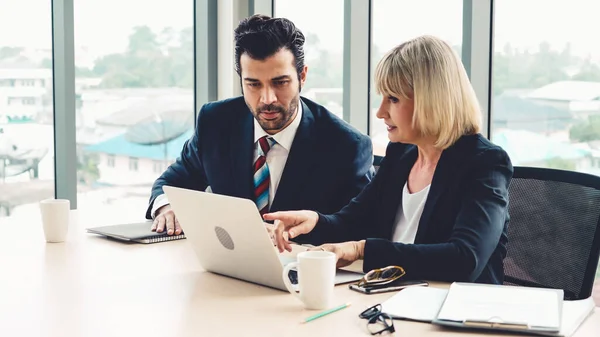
134, 232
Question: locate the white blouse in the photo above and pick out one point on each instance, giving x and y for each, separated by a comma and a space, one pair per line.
409, 214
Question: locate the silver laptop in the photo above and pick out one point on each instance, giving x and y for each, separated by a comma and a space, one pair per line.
229, 237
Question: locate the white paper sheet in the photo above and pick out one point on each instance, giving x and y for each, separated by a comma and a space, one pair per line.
415, 303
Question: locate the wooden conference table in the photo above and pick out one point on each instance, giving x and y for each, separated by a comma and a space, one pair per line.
91, 286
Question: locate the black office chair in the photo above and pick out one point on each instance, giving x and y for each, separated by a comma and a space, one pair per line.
554, 230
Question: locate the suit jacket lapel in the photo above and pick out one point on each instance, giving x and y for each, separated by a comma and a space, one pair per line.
241, 151
393, 195
444, 172
298, 164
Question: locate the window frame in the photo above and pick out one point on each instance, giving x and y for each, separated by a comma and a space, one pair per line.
214, 80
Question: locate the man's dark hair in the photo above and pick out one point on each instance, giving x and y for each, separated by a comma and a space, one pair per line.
261, 36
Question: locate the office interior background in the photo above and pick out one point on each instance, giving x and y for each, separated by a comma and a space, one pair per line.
97, 97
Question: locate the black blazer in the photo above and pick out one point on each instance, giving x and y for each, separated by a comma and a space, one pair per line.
462, 232
330, 162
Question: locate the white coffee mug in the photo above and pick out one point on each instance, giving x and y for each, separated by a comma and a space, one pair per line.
55, 219
316, 278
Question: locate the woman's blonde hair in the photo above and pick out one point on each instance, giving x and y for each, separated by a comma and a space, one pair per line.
427, 70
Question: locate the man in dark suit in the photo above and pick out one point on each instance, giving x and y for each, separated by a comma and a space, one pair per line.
272, 146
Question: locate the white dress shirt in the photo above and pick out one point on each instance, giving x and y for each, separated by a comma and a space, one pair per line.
276, 157
409, 215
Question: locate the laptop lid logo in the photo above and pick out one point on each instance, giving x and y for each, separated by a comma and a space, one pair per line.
224, 238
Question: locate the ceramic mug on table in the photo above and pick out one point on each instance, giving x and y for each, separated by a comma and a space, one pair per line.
55, 219
316, 278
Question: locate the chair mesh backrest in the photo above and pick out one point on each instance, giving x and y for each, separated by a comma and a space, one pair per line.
553, 233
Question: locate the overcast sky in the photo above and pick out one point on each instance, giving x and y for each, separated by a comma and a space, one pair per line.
104, 25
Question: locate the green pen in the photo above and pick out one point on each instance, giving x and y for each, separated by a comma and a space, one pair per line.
326, 312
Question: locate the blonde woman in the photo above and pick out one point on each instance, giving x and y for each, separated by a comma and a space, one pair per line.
438, 204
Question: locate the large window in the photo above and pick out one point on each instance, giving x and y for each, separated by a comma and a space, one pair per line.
26, 123
546, 84
324, 33
135, 100
396, 21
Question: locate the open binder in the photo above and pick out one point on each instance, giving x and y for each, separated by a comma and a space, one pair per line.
496, 307
537, 311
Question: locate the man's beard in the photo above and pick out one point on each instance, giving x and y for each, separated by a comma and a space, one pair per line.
285, 115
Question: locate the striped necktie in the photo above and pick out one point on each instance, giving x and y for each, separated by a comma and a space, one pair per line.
262, 178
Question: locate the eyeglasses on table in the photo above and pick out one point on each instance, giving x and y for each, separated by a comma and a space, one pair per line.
381, 276
378, 322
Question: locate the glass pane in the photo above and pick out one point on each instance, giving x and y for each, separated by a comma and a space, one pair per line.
26, 109
396, 21
546, 85
135, 99
324, 47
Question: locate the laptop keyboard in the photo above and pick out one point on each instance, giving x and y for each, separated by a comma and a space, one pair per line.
293, 275
342, 276
286, 259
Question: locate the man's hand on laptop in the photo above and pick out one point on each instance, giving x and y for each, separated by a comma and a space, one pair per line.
165, 220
